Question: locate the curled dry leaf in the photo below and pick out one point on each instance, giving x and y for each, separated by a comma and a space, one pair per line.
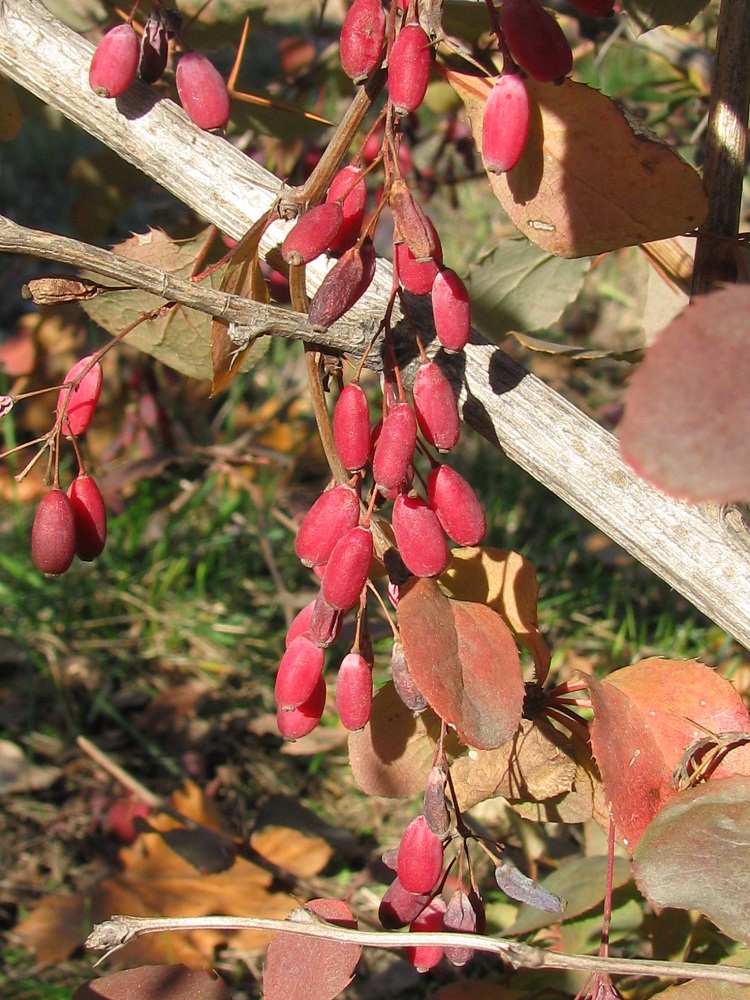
464, 660
572, 191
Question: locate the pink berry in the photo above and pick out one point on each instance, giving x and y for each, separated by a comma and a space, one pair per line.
351, 427
347, 570
436, 407
394, 447
115, 62
409, 69
362, 37
349, 189
81, 402
90, 517
535, 39
202, 91
303, 719
505, 126
53, 534
457, 507
345, 284
419, 536
420, 857
313, 233
451, 311
333, 513
354, 692
299, 671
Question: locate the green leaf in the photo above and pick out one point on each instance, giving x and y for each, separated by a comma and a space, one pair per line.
517, 286
647, 14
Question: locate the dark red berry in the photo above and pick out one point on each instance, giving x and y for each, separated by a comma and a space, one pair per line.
53, 534
399, 907
436, 407
154, 48
313, 233
417, 276
409, 69
202, 91
435, 807
426, 956
351, 427
115, 62
345, 284
90, 517
535, 39
362, 37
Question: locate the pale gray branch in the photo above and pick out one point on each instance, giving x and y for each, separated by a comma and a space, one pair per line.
697, 550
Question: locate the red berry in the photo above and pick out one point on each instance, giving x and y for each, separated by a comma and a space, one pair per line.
299, 672
351, 427
420, 857
459, 916
436, 407
403, 681
115, 62
593, 8
419, 536
505, 126
325, 623
121, 815
90, 517
313, 233
426, 956
394, 447
535, 39
451, 310
348, 187
398, 907
300, 624
354, 692
345, 284
409, 69
202, 91
417, 276
456, 505
53, 534
362, 37
303, 719
81, 402
347, 570
333, 513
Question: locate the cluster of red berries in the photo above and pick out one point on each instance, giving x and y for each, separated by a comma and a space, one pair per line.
73, 523
122, 54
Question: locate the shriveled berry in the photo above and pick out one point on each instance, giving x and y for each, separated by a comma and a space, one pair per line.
349, 189
303, 719
459, 916
505, 126
394, 447
593, 8
90, 517
417, 276
81, 402
426, 956
451, 311
399, 907
362, 37
299, 672
419, 536
409, 69
313, 233
333, 513
354, 692
435, 808
420, 857
457, 506
154, 48
115, 61
436, 407
347, 570
351, 427
403, 681
325, 624
345, 284
412, 224
53, 534
202, 91
535, 39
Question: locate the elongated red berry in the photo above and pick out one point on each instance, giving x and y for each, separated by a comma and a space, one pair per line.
535, 39
420, 857
345, 284
298, 674
436, 407
115, 62
354, 692
362, 37
332, 514
394, 447
417, 276
300, 624
451, 310
459, 917
409, 69
505, 126
351, 427
90, 517
313, 233
53, 534
399, 907
403, 681
81, 402
419, 536
349, 189
457, 506
593, 8
426, 956
303, 719
347, 570
202, 91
